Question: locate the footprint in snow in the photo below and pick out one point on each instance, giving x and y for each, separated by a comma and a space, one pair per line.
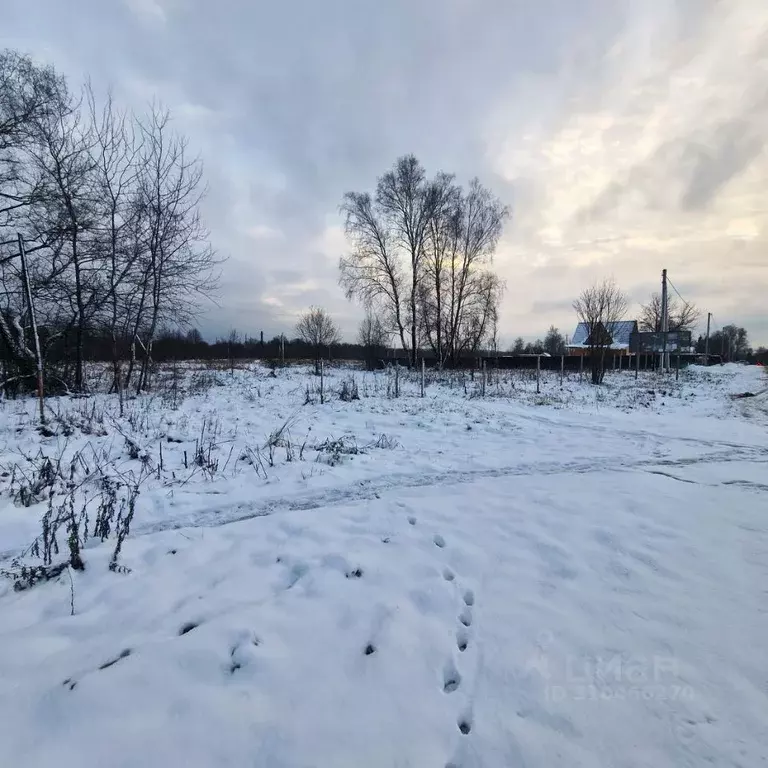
412, 520
469, 598
465, 617
297, 572
439, 541
462, 640
238, 654
448, 574
451, 678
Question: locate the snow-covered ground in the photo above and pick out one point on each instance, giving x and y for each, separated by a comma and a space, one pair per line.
574, 577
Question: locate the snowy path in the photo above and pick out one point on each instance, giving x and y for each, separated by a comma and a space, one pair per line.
578, 589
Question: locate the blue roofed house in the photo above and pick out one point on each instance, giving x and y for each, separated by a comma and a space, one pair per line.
618, 338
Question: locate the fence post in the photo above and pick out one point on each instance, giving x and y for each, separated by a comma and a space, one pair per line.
422, 377
677, 367
562, 367
637, 364
538, 374
321, 381
581, 367
397, 379
484, 377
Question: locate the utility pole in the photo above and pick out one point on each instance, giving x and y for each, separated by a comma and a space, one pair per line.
33, 323
664, 320
706, 343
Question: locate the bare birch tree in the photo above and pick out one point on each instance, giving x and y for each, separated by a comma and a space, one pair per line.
372, 271
421, 253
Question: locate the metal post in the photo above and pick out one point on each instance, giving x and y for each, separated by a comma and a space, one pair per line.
538, 374
677, 367
706, 343
562, 366
637, 363
664, 320
484, 377
33, 323
581, 367
422, 377
321, 381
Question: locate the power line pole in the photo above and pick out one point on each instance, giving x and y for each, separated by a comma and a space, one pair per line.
33, 323
664, 320
706, 343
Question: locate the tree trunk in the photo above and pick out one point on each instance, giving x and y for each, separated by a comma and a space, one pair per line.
413, 327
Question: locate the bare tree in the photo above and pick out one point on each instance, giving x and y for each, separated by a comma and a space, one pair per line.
372, 271
65, 215
408, 202
440, 248
116, 151
599, 307
421, 255
110, 208
473, 290
317, 329
179, 263
479, 314
27, 93
682, 316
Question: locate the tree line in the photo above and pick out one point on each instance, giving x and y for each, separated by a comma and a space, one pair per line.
107, 204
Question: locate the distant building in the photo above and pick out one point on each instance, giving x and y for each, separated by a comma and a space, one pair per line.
617, 337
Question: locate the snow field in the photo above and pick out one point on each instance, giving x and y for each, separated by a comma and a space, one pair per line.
566, 584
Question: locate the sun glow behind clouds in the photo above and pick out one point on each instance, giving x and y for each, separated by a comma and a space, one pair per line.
664, 160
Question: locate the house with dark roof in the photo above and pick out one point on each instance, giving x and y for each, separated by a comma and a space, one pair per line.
617, 337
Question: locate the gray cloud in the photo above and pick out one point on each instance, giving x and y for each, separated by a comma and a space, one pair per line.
576, 113
730, 151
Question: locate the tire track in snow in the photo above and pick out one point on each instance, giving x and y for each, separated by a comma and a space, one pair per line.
368, 490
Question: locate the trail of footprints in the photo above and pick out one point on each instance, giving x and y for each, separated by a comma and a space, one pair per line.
451, 675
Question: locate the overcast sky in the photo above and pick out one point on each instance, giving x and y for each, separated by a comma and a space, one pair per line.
626, 135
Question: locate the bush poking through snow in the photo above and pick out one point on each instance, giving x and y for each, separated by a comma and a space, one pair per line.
38, 483
67, 522
280, 438
385, 442
331, 451
348, 391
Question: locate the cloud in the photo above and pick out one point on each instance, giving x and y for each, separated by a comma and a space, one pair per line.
628, 137
148, 11
657, 160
